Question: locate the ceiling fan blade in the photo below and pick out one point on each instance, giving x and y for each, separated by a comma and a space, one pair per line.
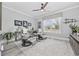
42, 6
37, 10
45, 5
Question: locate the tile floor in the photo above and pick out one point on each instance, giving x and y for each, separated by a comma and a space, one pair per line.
48, 47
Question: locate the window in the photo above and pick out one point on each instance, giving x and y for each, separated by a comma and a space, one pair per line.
52, 25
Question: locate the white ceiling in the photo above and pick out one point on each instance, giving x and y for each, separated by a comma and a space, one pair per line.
27, 7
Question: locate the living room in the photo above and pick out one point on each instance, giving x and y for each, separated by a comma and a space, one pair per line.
52, 21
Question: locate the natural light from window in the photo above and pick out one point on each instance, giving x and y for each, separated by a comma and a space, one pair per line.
52, 25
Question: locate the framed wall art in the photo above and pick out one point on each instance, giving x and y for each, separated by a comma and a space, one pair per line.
17, 23
25, 24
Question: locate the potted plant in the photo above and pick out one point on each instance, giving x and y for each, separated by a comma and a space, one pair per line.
8, 36
73, 28
77, 30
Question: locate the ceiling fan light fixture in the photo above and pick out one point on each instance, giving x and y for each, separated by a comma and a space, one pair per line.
42, 10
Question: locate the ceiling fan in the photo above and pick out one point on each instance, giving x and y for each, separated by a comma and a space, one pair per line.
42, 7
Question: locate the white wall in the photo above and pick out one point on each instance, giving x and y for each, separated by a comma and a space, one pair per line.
8, 17
0, 16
